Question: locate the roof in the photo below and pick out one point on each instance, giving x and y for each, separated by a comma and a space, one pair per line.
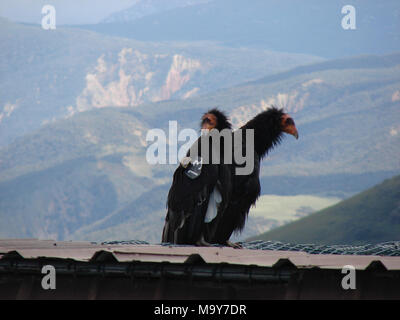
137, 270
94, 252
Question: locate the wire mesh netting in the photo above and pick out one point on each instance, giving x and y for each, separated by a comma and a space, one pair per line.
119, 242
390, 248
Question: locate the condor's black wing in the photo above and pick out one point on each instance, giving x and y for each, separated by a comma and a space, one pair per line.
246, 190
243, 193
189, 196
187, 204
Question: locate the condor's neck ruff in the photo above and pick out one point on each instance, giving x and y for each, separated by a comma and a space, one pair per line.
267, 130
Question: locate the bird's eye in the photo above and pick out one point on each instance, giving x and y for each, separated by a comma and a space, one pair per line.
289, 121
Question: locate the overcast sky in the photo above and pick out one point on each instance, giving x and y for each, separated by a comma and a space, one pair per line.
67, 11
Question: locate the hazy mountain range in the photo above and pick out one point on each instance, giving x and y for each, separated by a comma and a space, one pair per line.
142, 8
309, 26
47, 75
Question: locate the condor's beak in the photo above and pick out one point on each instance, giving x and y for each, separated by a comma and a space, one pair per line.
293, 131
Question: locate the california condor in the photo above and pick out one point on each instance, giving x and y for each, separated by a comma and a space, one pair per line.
269, 127
194, 183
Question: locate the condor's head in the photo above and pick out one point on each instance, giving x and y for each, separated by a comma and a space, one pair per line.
215, 119
288, 125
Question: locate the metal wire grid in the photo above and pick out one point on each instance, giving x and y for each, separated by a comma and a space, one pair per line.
390, 248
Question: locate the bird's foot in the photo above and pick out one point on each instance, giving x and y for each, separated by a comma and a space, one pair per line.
203, 243
235, 245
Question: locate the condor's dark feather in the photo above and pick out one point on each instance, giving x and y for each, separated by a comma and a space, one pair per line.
188, 199
267, 130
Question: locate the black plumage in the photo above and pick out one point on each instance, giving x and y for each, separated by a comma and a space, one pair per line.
188, 198
268, 127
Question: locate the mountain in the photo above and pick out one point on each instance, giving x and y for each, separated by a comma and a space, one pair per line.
86, 176
310, 26
142, 8
372, 216
79, 170
47, 75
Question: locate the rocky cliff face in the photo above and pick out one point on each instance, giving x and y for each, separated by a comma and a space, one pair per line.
132, 78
